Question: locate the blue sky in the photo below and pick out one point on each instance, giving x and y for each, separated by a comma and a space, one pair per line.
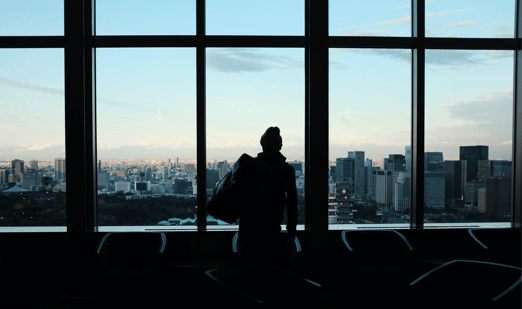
146, 97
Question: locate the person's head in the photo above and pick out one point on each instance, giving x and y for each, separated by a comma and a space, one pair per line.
271, 141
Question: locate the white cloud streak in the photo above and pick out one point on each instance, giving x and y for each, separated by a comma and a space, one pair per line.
428, 15
14, 84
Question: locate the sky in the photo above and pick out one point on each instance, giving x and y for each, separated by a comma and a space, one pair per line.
146, 98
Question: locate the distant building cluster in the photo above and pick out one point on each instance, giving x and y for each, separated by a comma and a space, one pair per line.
22, 177
472, 183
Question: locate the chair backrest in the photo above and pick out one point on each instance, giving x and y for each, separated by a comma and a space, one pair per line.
469, 279
235, 246
387, 244
131, 250
291, 252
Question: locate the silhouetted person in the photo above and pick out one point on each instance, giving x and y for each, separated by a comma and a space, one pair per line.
261, 215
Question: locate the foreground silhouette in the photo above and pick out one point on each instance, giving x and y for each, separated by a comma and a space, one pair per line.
261, 215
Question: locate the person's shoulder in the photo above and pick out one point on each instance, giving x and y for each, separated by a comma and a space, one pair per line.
288, 167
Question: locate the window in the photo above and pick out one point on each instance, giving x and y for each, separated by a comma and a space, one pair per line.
356, 80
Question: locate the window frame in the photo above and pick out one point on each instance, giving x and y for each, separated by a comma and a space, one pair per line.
80, 43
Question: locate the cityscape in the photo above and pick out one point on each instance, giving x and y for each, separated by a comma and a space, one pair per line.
361, 190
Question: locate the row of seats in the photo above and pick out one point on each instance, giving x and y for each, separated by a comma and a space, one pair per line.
374, 262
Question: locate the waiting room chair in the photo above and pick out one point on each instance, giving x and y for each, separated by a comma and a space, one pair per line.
287, 258
132, 251
470, 283
500, 245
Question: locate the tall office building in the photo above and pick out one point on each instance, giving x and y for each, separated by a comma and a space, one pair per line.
402, 189
33, 164
498, 195
212, 178
369, 180
333, 173
358, 177
454, 182
181, 186
4, 176
407, 157
395, 162
433, 162
472, 154
189, 168
345, 169
383, 187
103, 180
434, 186
17, 166
59, 169
492, 168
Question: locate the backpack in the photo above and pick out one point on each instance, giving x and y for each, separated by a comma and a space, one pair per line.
233, 189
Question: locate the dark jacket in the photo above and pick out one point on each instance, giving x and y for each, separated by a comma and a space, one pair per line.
263, 212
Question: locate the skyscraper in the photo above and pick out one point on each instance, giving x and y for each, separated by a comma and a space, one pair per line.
454, 182
395, 162
344, 170
407, 155
434, 186
59, 169
472, 154
433, 162
18, 166
358, 178
33, 164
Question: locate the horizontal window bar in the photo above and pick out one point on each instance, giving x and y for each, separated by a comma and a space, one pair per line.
430, 43
254, 41
145, 41
32, 42
459, 43
371, 42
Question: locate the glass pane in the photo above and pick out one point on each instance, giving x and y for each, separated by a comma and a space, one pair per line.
470, 18
370, 120
260, 17
146, 119
132, 17
469, 111
370, 18
249, 90
32, 156
31, 17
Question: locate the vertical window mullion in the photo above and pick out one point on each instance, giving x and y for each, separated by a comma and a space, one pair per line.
318, 124
90, 114
307, 112
516, 195
201, 143
75, 118
417, 137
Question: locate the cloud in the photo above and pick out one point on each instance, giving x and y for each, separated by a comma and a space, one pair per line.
428, 15
508, 143
454, 58
11, 83
500, 26
367, 33
431, 15
38, 147
466, 23
506, 36
242, 60
396, 21
404, 6
491, 109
